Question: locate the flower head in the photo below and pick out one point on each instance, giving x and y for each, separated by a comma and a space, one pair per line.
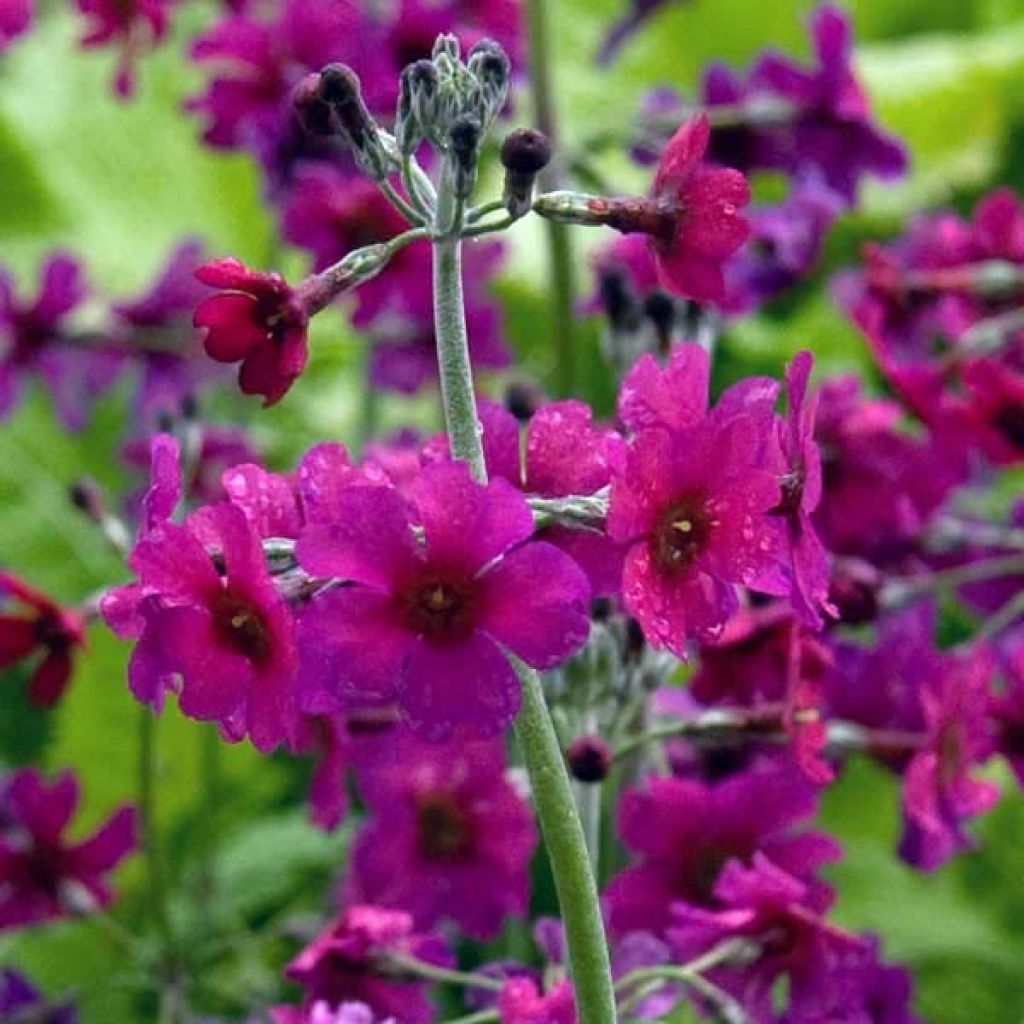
520, 1001
448, 836
426, 624
44, 876
347, 963
43, 630
134, 24
258, 320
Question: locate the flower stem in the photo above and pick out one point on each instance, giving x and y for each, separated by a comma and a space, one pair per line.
147, 817
405, 965
567, 852
559, 243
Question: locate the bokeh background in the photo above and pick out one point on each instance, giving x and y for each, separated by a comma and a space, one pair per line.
119, 184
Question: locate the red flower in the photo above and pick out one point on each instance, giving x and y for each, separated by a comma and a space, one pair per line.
256, 319
701, 225
46, 628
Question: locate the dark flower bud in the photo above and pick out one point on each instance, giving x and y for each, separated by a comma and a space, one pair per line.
312, 110
522, 400
524, 154
339, 87
464, 146
618, 302
589, 759
490, 66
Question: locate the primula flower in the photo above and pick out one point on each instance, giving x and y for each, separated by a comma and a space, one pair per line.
258, 320
134, 24
34, 338
692, 501
520, 1001
42, 629
346, 963
684, 832
694, 212
1007, 711
159, 335
15, 19
777, 913
564, 454
822, 120
44, 876
939, 793
321, 1013
21, 1001
426, 625
448, 836
227, 635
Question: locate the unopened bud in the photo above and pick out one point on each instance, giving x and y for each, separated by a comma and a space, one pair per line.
617, 301
417, 104
524, 154
522, 400
446, 46
339, 87
490, 66
589, 759
312, 110
464, 145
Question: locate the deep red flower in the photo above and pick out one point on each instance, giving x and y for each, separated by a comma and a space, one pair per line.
256, 319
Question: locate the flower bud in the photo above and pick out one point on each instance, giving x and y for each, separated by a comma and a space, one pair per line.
618, 301
340, 89
589, 758
464, 146
522, 400
417, 104
524, 154
312, 110
446, 46
490, 66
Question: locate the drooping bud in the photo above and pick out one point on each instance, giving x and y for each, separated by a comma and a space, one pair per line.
589, 759
464, 146
340, 89
522, 400
490, 65
524, 154
320, 290
312, 110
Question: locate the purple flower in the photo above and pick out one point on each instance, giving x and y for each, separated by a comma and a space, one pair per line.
44, 630
21, 1001
321, 1013
822, 123
426, 624
346, 962
684, 832
522, 1002
1007, 711
693, 500
160, 337
15, 19
778, 914
225, 633
447, 838
939, 793
35, 339
133, 24
43, 876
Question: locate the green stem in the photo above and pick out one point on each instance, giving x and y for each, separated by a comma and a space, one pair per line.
147, 819
404, 965
559, 242
567, 852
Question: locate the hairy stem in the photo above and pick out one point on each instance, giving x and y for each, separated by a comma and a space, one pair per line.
567, 852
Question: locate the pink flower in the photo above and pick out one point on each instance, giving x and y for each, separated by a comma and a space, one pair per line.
693, 500
700, 224
42, 875
225, 633
46, 630
425, 624
258, 320
345, 964
15, 18
521, 1002
133, 23
939, 794
1007, 711
448, 837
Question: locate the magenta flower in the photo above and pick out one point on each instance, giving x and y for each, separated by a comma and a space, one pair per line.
346, 962
777, 912
258, 320
806, 569
226, 634
448, 837
1007, 712
693, 500
564, 454
43, 631
520, 1001
685, 831
699, 223
939, 793
321, 1013
134, 24
15, 19
34, 339
426, 625
43, 876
